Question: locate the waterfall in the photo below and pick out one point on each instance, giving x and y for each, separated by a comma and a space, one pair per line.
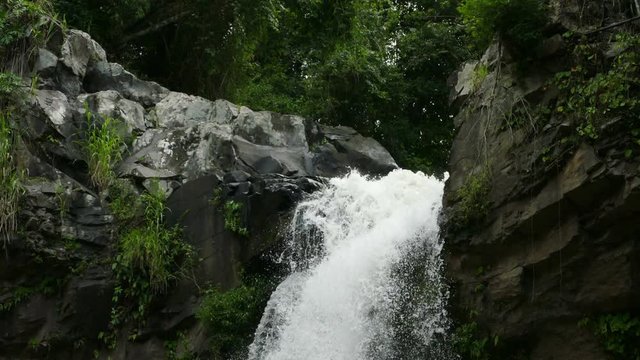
365, 280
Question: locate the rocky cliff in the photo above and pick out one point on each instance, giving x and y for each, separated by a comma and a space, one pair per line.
542, 201
57, 280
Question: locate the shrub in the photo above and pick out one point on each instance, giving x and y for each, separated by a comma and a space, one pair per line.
517, 22
595, 90
232, 316
469, 344
103, 149
9, 82
150, 256
619, 334
124, 201
24, 25
473, 202
11, 188
151, 250
233, 218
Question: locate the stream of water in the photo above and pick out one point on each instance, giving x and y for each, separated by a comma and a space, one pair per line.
365, 274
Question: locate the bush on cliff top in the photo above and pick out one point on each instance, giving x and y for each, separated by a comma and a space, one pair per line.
518, 22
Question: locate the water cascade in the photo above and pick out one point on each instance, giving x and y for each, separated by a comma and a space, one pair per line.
364, 283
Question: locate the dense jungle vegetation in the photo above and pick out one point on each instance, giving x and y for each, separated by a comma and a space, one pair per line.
379, 66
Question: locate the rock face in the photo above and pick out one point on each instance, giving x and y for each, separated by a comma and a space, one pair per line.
555, 237
56, 279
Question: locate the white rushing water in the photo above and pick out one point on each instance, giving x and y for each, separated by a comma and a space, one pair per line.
365, 283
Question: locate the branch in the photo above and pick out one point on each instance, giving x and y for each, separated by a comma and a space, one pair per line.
612, 25
155, 27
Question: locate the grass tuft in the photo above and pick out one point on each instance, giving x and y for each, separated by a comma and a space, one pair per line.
103, 149
11, 188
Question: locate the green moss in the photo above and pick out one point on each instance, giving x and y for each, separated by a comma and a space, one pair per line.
480, 73
232, 212
217, 196
9, 83
178, 348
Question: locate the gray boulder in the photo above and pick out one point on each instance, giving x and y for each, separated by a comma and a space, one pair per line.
271, 129
110, 103
46, 61
79, 52
112, 76
345, 149
196, 137
182, 110
186, 152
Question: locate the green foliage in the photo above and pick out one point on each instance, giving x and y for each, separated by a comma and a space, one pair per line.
149, 257
217, 197
231, 317
234, 218
518, 22
104, 20
9, 83
11, 179
103, 148
47, 286
596, 90
178, 348
469, 344
124, 201
24, 25
473, 203
619, 334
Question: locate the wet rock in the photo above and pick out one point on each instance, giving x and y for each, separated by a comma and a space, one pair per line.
265, 200
345, 150
236, 176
